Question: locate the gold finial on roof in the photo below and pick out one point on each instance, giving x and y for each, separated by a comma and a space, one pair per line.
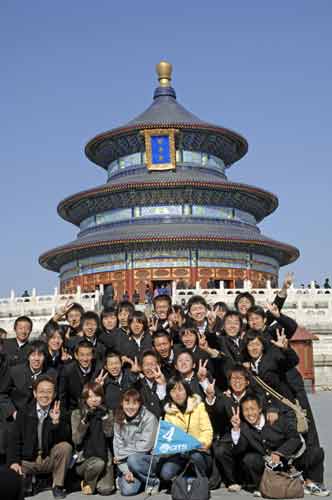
164, 72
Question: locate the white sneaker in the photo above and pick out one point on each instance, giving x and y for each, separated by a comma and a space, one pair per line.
153, 490
234, 488
316, 489
257, 494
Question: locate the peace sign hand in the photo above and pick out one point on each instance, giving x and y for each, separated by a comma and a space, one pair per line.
210, 391
55, 413
154, 324
101, 377
134, 366
159, 377
288, 281
202, 342
65, 356
202, 370
282, 340
274, 310
235, 420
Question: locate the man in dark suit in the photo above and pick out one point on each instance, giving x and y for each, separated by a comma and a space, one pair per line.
117, 381
16, 348
40, 438
16, 384
76, 374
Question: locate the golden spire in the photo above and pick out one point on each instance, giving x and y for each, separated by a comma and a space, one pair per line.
164, 72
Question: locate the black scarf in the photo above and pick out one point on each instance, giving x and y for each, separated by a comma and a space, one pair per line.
95, 442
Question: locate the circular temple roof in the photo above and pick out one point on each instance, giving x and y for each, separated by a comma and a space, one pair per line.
165, 112
147, 235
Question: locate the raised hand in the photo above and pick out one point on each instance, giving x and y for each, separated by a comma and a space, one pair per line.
202, 370
202, 342
65, 356
17, 468
134, 365
101, 377
55, 413
210, 391
62, 311
274, 310
288, 281
282, 341
154, 324
235, 420
159, 376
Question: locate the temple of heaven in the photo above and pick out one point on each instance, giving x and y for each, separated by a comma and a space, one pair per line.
167, 211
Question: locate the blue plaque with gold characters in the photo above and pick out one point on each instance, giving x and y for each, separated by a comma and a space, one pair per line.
160, 149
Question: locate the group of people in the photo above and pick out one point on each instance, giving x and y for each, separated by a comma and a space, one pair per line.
85, 399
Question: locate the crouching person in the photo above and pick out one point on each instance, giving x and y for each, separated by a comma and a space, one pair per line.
187, 411
92, 428
274, 435
135, 429
39, 443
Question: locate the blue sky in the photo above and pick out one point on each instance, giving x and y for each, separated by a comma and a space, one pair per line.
72, 69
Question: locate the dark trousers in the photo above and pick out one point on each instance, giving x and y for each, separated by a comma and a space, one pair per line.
174, 465
253, 467
225, 461
312, 464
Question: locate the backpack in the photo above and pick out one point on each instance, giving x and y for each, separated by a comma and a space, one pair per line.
190, 488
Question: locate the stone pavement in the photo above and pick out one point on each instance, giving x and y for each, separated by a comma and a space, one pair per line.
322, 407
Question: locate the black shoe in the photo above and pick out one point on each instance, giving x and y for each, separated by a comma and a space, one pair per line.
59, 492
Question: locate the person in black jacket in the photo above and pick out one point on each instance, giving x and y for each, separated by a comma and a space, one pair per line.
152, 384
163, 345
90, 333
76, 374
162, 305
139, 339
219, 406
110, 332
16, 349
40, 438
16, 388
92, 428
125, 311
198, 377
117, 381
262, 435
73, 313
270, 362
57, 354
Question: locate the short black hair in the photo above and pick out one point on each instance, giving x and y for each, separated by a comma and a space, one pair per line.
238, 369
86, 344
141, 318
112, 354
257, 310
90, 315
196, 299
244, 295
234, 313
127, 305
37, 346
23, 318
44, 378
160, 334
108, 311
251, 396
184, 351
75, 307
161, 297
221, 305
